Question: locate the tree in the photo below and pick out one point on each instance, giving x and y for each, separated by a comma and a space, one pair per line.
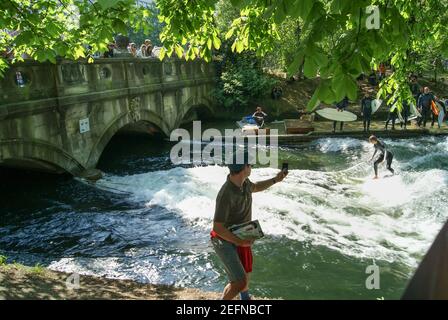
343, 38
241, 81
139, 36
47, 29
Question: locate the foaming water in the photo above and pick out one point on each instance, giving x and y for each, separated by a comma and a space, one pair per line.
384, 219
152, 226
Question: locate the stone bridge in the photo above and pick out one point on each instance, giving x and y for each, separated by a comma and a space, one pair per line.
60, 117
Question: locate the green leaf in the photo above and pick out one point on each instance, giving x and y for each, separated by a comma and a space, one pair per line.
119, 26
216, 42
310, 67
344, 85
239, 46
179, 51
209, 43
279, 14
325, 92
296, 63
162, 53
23, 38
352, 89
106, 4
320, 58
313, 103
301, 8
229, 33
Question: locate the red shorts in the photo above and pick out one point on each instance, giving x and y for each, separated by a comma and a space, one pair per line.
245, 254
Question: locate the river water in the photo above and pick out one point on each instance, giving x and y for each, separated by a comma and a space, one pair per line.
149, 221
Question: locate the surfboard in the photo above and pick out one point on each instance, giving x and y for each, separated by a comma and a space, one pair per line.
376, 104
414, 111
335, 115
434, 108
441, 114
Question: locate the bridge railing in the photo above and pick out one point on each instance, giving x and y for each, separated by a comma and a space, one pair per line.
30, 80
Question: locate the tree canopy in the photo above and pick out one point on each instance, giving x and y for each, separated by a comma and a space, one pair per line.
46, 29
339, 39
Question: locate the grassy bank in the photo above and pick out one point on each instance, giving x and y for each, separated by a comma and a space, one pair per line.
22, 282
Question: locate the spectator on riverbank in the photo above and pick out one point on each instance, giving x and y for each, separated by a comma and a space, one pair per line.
414, 87
276, 93
381, 71
340, 106
372, 79
424, 106
366, 111
393, 114
405, 112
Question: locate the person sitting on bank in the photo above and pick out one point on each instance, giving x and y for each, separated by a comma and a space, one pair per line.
259, 116
340, 106
233, 207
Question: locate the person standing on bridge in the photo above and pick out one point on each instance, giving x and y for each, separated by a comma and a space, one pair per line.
233, 207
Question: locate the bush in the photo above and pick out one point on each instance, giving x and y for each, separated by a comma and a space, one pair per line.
242, 81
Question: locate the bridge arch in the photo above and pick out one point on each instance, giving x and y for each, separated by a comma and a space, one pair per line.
195, 105
38, 155
123, 120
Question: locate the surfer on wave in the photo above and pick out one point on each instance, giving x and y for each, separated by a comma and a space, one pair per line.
380, 148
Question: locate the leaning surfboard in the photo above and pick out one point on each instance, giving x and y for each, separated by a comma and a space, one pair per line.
434, 108
441, 114
376, 104
414, 111
335, 115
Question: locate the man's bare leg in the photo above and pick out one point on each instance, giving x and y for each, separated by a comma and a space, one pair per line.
233, 288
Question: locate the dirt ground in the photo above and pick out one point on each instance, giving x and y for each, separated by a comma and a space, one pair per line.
20, 282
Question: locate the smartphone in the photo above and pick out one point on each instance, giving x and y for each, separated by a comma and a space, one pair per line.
285, 166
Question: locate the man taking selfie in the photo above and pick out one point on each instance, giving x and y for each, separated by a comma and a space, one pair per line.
233, 207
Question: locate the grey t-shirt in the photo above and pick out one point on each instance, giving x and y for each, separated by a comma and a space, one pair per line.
234, 204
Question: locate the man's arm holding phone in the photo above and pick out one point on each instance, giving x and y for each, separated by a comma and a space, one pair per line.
263, 185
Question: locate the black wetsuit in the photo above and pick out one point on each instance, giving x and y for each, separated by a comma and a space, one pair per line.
380, 148
366, 109
341, 107
424, 103
392, 115
406, 112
